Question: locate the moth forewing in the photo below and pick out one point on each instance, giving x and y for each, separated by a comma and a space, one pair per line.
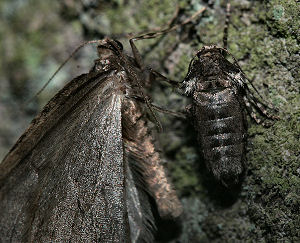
61, 188
57, 107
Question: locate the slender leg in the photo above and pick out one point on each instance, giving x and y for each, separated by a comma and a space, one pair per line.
251, 112
162, 77
138, 79
158, 108
250, 106
268, 105
261, 107
137, 56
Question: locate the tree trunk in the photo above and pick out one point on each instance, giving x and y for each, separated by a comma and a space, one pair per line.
263, 36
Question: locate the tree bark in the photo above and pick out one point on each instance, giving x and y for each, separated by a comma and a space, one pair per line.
263, 36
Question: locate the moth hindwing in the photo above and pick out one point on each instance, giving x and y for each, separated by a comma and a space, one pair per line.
86, 167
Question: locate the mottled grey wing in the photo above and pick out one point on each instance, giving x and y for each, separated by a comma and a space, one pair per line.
68, 184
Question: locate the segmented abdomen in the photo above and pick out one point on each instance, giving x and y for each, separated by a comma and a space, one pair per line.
221, 126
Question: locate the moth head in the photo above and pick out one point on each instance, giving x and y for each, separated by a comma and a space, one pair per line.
210, 51
108, 48
204, 63
213, 60
110, 53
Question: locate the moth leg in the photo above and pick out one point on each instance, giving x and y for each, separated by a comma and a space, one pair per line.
159, 108
267, 105
265, 122
173, 113
164, 78
175, 84
251, 112
138, 58
137, 78
175, 16
261, 107
136, 54
188, 109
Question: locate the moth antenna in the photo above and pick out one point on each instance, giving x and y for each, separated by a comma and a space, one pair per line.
151, 35
225, 37
61, 66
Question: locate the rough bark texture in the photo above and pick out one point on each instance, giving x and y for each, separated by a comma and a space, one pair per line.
36, 36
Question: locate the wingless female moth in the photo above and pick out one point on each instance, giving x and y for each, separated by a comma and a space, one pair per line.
220, 98
86, 169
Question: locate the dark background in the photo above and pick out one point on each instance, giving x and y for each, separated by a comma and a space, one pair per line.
37, 36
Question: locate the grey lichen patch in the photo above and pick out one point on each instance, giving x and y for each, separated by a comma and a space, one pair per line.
283, 18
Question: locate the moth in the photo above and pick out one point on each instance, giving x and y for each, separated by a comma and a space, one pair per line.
86, 169
221, 97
